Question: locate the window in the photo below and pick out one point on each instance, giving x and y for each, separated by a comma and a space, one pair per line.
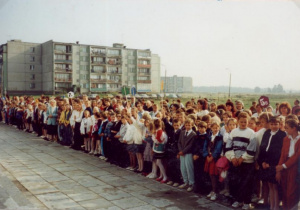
130, 52
32, 58
60, 57
32, 49
32, 76
31, 67
114, 52
83, 49
32, 85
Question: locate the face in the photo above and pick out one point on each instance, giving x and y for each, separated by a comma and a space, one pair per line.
213, 106
228, 108
176, 126
239, 106
119, 117
231, 125
243, 123
252, 124
86, 114
202, 129
113, 117
225, 118
258, 109
263, 123
139, 107
188, 126
290, 130
274, 126
124, 121
215, 129
282, 125
284, 110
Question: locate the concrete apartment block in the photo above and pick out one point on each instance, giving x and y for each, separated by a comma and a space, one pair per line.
177, 84
57, 67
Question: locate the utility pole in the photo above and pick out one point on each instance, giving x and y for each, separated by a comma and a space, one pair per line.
229, 84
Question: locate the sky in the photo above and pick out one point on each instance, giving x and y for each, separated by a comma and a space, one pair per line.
256, 41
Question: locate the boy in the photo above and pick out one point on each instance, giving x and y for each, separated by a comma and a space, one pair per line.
185, 147
241, 148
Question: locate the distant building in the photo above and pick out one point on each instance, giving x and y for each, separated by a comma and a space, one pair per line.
177, 84
56, 67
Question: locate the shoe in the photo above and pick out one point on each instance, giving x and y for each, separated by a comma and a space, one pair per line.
159, 179
183, 186
213, 197
164, 181
128, 168
227, 194
102, 157
105, 159
169, 183
149, 175
222, 192
190, 188
91, 152
210, 194
236, 204
175, 184
254, 199
42, 137
246, 207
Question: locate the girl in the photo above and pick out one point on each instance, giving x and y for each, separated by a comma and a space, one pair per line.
75, 122
67, 134
94, 122
286, 170
212, 151
268, 158
85, 129
52, 120
225, 117
241, 148
159, 138
29, 118
252, 124
202, 107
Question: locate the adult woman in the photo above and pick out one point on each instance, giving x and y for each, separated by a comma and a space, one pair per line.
230, 108
52, 120
75, 122
285, 109
202, 107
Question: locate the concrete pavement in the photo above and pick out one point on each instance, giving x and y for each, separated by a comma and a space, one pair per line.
36, 174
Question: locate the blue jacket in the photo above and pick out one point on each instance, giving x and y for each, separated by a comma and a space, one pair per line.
216, 147
52, 111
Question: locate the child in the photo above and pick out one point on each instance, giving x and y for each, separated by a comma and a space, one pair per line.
85, 129
185, 147
121, 160
212, 151
159, 138
241, 147
173, 164
67, 134
226, 116
198, 158
108, 137
95, 150
268, 158
286, 170
104, 121
29, 118
252, 124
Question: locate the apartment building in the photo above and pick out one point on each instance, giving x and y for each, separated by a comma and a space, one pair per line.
57, 67
177, 84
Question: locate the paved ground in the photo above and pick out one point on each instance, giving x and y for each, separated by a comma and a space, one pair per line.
36, 174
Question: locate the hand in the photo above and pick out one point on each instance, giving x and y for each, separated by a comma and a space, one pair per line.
278, 177
240, 160
124, 141
209, 159
178, 156
279, 168
180, 153
195, 157
235, 162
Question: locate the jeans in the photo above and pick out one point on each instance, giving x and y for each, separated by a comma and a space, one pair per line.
187, 169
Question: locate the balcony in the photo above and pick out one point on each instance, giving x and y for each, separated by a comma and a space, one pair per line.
62, 51
98, 62
69, 71
62, 61
115, 72
112, 62
144, 73
96, 53
114, 81
144, 81
62, 80
114, 56
144, 65
98, 80
97, 72
99, 89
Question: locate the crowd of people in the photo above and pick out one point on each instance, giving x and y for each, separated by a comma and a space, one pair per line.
247, 155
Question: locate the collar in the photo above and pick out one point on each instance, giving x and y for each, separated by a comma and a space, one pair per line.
295, 139
202, 134
274, 132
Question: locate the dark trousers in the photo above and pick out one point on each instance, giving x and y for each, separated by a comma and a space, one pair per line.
78, 140
202, 181
173, 167
241, 181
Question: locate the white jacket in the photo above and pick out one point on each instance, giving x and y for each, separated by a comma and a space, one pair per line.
85, 123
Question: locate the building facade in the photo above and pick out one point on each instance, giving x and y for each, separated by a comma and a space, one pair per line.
57, 67
177, 84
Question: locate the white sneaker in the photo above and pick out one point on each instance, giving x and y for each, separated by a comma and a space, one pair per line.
222, 192
175, 184
170, 183
42, 136
236, 204
190, 188
149, 175
254, 199
183, 186
210, 194
91, 152
128, 168
213, 197
102, 157
246, 207
227, 193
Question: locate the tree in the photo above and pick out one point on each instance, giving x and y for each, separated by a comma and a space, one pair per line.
257, 89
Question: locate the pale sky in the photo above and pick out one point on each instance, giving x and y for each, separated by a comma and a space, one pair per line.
257, 41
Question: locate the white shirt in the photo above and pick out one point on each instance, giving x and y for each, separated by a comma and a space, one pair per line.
292, 145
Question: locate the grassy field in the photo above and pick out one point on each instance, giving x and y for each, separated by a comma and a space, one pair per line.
221, 98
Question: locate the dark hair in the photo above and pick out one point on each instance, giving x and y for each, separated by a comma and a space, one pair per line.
287, 105
229, 103
203, 104
274, 119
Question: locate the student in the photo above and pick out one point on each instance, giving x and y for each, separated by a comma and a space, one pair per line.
225, 117
241, 148
101, 133
67, 134
185, 147
212, 150
109, 136
268, 158
75, 122
160, 139
286, 170
173, 164
198, 158
121, 156
95, 150
86, 129
52, 120
115, 143
252, 123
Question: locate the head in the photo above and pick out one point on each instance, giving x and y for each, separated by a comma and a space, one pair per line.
274, 123
188, 124
239, 105
207, 119
230, 107
258, 108
215, 127
252, 123
139, 106
176, 124
213, 107
285, 108
226, 116
202, 104
291, 127
243, 119
86, 114
264, 119
202, 127
231, 124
